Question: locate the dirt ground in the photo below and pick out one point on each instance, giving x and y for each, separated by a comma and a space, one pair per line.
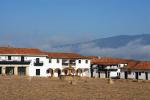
86, 89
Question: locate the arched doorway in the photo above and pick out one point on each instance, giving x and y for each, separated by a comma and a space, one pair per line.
65, 70
85, 72
79, 71
73, 71
58, 71
50, 71
85, 69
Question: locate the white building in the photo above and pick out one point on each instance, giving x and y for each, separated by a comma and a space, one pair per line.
136, 70
59, 64
22, 61
34, 62
107, 67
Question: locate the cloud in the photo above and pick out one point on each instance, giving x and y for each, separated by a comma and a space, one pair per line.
44, 42
133, 50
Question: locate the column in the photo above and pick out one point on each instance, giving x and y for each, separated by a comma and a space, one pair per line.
91, 70
27, 70
16, 70
82, 72
3, 70
98, 70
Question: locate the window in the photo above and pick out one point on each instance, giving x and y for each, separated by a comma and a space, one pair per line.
86, 61
57, 60
9, 57
37, 71
50, 60
37, 60
118, 74
79, 61
22, 58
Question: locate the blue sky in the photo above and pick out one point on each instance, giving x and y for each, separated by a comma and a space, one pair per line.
50, 21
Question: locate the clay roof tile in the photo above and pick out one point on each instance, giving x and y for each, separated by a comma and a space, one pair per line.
65, 55
109, 61
138, 65
26, 51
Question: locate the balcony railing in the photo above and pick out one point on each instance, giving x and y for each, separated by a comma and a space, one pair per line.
38, 63
107, 69
26, 62
65, 64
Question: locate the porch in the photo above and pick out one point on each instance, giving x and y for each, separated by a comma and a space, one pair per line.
14, 70
57, 72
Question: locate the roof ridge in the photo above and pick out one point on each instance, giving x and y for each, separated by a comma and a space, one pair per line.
62, 52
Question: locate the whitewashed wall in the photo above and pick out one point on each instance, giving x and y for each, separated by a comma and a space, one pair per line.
83, 63
46, 64
102, 75
122, 75
14, 57
54, 63
32, 68
95, 74
132, 74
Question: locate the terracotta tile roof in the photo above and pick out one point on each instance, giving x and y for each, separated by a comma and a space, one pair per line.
26, 51
143, 65
92, 57
34, 51
109, 61
138, 65
65, 55
131, 64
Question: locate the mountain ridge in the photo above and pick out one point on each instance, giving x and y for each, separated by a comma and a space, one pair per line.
114, 41
122, 46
